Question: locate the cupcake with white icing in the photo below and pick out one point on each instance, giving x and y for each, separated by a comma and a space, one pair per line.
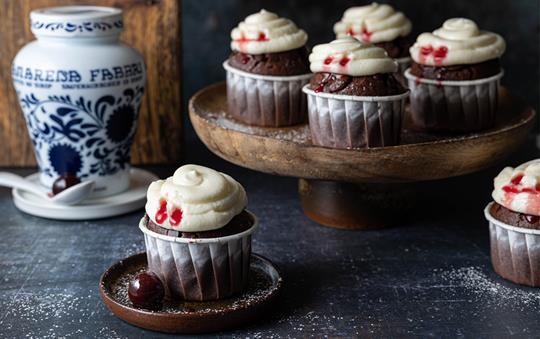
381, 25
266, 71
514, 218
198, 233
454, 78
354, 99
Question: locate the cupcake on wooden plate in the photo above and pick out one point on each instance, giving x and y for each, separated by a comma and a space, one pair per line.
454, 78
354, 100
381, 25
514, 224
198, 234
266, 71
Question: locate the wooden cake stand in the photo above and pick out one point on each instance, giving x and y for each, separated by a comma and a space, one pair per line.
357, 188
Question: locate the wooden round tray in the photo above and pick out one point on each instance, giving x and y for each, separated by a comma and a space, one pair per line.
192, 317
289, 151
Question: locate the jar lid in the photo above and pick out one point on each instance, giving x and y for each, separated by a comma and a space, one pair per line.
76, 21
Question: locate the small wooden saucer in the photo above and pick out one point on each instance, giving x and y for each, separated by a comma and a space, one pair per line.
191, 317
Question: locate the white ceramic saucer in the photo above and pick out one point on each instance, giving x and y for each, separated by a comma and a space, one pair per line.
95, 208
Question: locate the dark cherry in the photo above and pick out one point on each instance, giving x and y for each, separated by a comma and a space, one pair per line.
63, 182
146, 291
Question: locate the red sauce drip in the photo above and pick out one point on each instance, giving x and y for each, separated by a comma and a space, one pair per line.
439, 54
417, 81
517, 179
344, 61
328, 60
350, 32
510, 189
515, 190
532, 219
425, 52
245, 59
366, 35
176, 217
261, 37
161, 214
319, 89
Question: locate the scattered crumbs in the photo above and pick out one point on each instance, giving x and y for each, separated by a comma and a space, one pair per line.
33, 310
488, 290
260, 287
299, 134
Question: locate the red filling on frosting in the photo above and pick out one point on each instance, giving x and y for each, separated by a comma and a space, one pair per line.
262, 37
344, 61
439, 54
176, 217
517, 179
161, 214
366, 35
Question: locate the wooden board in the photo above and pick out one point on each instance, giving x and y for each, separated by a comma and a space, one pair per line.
289, 151
153, 28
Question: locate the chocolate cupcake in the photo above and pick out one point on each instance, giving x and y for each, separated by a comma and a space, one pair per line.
514, 224
198, 234
266, 71
354, 100
382, 26
454, 78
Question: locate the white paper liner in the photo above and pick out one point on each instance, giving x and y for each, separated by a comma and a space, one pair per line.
265, 100
454, 106
515, 251
403, 64
200, 269
345, 121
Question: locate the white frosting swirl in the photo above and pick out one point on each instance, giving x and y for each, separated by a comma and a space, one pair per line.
518, 189
457, 42
351, 57
265, 32
195, 199
373, 23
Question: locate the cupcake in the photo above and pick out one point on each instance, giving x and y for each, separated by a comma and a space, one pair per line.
514, 224
266, 71
198, 234
354, 100
380, 25
454, 78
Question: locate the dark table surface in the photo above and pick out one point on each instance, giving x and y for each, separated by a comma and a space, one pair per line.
431, 276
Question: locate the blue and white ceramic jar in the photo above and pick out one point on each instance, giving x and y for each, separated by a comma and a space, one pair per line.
80, 90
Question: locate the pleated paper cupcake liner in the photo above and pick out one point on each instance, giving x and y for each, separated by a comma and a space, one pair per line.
453, 106
403, 64
344, 121
515, 251
263, 100
200, 269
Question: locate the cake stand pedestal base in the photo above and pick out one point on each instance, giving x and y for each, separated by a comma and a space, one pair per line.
355, 206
